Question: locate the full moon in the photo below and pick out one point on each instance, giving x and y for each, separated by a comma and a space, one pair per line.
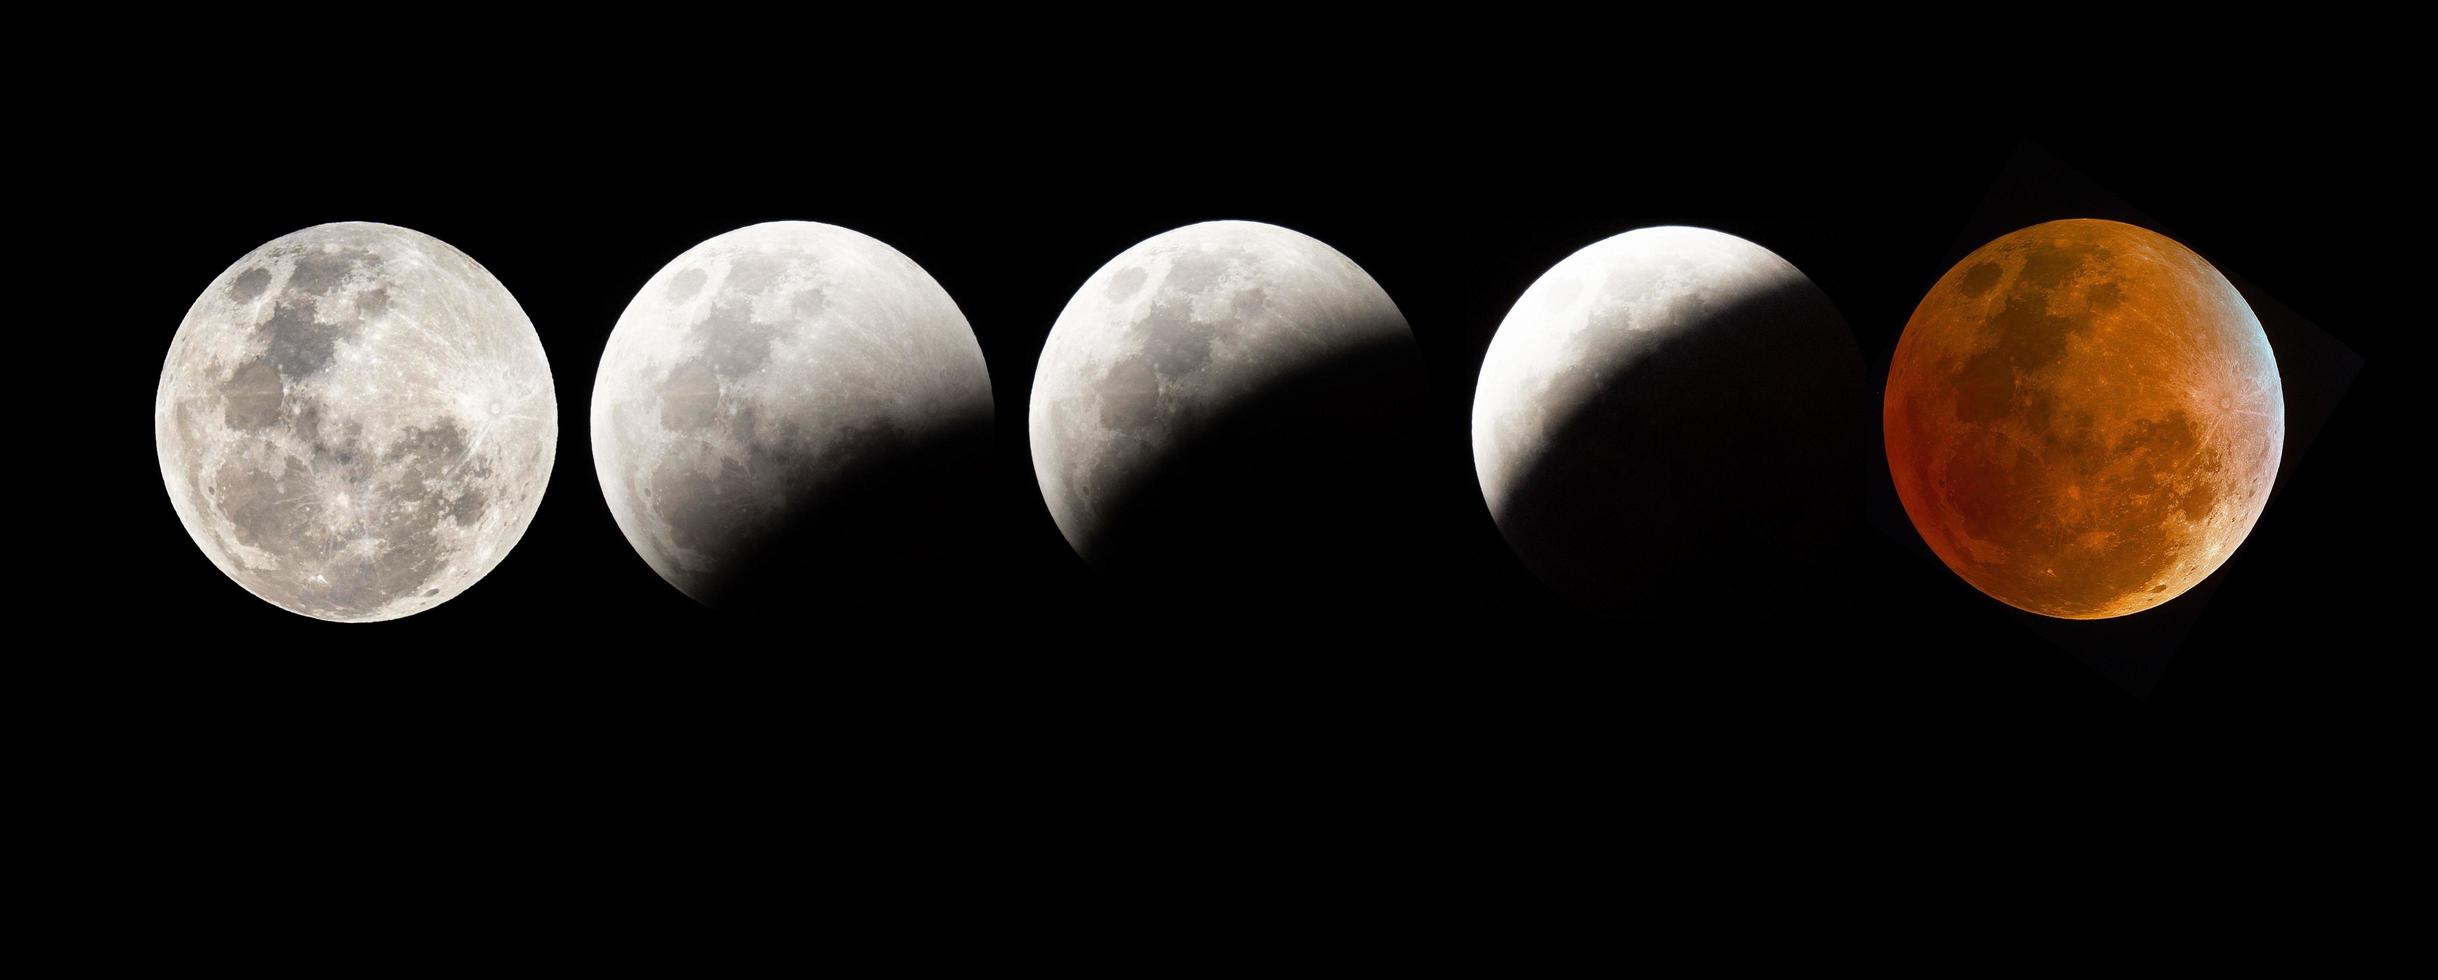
1230, 407
1673, 420
2084, 419
789, 412
355, 422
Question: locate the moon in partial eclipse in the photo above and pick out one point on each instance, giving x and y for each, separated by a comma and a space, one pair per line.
355, 422
1672, 420
2084, 419
1230, 406
789, 412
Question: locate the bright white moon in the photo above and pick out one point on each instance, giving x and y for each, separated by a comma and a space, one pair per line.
356, 422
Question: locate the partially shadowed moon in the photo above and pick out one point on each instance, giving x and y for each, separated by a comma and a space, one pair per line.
356, 422
2084, 419
791, 414
1672, 420
1231, 408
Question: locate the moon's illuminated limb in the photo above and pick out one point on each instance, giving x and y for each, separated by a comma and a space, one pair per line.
355, 422
789, 396
2084, 419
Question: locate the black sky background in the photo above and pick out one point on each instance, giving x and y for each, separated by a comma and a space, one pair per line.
1013, 676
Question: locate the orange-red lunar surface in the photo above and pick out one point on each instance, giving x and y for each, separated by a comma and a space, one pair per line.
2083, 419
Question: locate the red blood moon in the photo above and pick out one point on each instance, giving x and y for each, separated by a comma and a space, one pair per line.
2084, 419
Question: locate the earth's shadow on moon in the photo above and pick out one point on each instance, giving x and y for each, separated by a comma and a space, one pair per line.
1718, 472
1304, 497
862, 533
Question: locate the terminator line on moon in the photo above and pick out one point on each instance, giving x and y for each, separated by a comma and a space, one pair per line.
355, 422
2084, 419
788, 411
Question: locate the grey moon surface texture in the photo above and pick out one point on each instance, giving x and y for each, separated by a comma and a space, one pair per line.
356, 422
1229, 405
1673, 419
788, 413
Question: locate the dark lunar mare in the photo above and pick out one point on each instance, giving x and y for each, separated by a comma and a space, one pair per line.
862, 528
1306, 494
1719, 472
426, 476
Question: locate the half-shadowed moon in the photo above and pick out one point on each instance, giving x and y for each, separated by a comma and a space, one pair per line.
1231, 409
790, 414
1672, 420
